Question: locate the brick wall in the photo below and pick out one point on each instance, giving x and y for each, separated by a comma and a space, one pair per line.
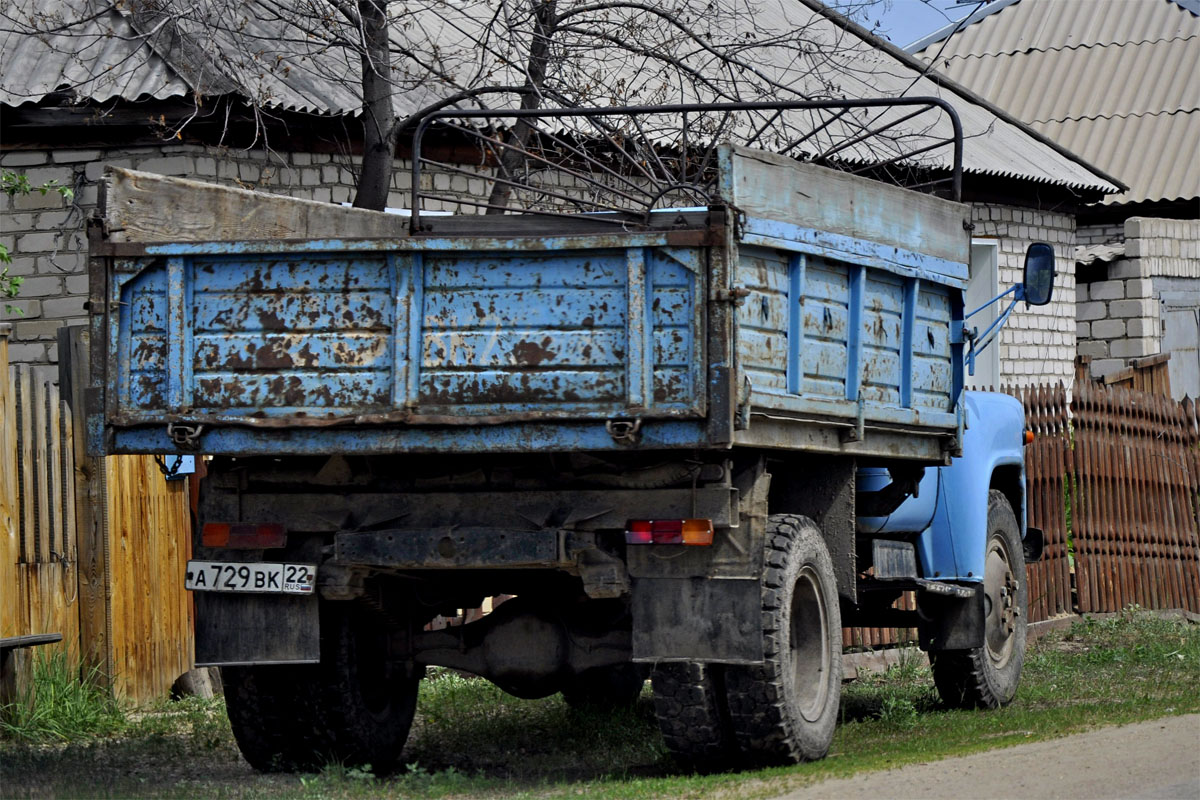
46, 236
1119, 318
1038, 343
1100, 234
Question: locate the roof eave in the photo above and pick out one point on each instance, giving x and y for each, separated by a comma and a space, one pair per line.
948, 30
944, 82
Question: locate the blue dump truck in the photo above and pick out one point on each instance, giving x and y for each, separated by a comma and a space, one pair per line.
691, 446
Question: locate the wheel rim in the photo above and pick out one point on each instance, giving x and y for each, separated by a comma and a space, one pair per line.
809, 645
1000, 593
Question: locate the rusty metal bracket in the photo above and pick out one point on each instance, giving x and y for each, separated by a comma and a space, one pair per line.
735, 295
183, 436
623, 431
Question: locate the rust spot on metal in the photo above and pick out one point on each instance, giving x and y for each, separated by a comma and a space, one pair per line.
532, 354
271, 321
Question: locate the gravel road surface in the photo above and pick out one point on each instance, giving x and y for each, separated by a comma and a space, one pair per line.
1157, 760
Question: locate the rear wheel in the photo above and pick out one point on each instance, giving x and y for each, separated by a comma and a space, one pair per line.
987, 676
354, 708
273, 715
618, 686
689, 703
785, 711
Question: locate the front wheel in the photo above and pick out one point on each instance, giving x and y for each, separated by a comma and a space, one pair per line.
987, 676
785, 710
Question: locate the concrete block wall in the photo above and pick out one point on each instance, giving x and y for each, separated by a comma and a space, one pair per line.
46, 236
1038, 343
1116, 320
1120, 318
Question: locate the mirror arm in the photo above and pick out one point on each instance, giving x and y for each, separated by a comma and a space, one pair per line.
1019, 289
980, 343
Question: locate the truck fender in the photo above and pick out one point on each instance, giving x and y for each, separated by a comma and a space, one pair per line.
953, 546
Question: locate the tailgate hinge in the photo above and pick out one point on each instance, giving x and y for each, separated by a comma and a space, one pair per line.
734, 295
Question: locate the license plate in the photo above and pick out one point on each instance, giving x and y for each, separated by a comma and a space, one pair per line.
226, 576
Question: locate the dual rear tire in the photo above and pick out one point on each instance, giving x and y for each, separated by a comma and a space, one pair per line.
354, 708
785, 710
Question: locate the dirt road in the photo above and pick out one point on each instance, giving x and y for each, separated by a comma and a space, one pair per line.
1157, 760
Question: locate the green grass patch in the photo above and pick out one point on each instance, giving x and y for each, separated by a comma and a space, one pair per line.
65, 703
472, 740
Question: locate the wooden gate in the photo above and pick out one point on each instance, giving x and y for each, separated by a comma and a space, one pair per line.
91, 548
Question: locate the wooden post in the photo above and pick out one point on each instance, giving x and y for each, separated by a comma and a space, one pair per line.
10, 544
95, 584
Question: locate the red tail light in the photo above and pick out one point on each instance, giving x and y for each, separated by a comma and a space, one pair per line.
669, 531
243, 536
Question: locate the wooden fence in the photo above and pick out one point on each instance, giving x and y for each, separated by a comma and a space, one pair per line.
1047, 494
1135, 524
1113, 481
91, 548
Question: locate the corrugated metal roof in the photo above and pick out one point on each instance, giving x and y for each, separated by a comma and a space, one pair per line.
1002, 28
1162, 150
279, 65
1085, 82
1117, 82
1088, 254
102, 59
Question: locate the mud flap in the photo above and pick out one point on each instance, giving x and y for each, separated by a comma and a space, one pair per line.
716, 620
951, 623
256, 629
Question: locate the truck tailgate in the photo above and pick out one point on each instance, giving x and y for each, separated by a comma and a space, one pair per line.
415, 331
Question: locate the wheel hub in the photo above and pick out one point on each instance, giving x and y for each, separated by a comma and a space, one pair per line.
1000, 592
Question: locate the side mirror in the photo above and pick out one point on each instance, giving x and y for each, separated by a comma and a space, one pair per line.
1038, 284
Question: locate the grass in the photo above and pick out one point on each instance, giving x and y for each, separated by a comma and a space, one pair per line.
471, 740
70, 704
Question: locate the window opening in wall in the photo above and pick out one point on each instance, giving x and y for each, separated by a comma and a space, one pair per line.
983, 285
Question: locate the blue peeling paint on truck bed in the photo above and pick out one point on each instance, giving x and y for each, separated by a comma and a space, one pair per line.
401, 345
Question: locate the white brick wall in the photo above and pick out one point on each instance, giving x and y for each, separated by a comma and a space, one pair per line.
46, 236
1120, 318
1100, 234
1038, 343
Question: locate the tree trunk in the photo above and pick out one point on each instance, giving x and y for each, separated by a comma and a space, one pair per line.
511, 160
379, 116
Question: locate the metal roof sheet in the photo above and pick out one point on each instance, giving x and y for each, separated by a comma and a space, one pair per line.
1088, 254
1117, 82
101, 60
278, 64
1014, 26
1045, 85
1159, 154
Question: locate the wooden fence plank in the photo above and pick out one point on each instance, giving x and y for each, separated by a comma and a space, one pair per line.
10, 524
89, 489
